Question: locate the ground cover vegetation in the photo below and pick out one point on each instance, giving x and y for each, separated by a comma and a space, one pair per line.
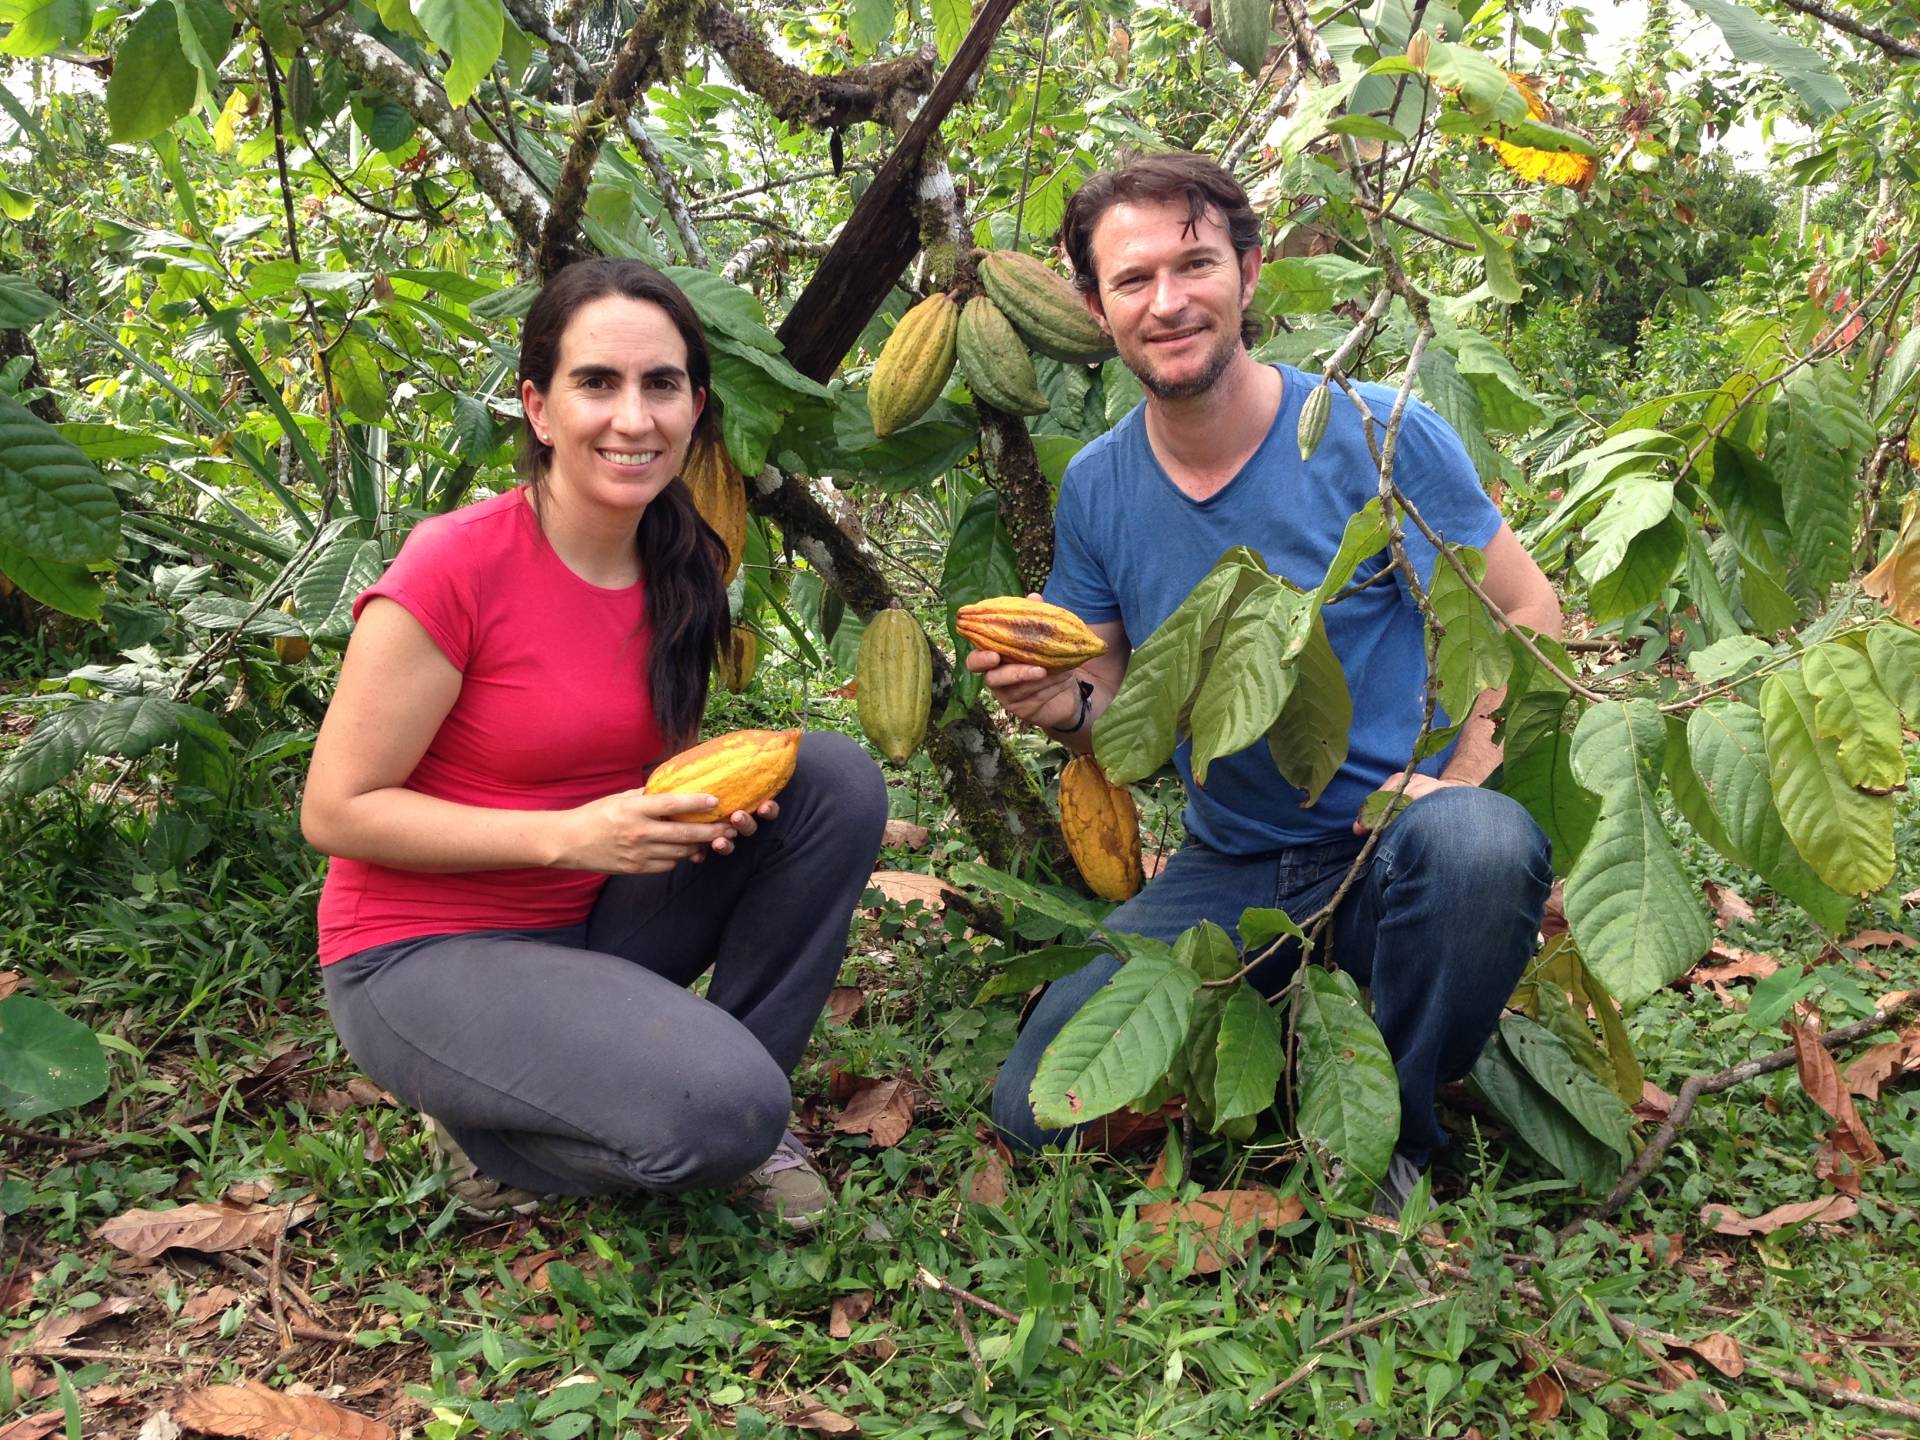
260, 275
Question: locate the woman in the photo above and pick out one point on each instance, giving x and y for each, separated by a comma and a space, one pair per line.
509, 924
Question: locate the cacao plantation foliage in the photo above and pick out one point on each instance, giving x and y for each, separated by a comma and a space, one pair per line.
261, 270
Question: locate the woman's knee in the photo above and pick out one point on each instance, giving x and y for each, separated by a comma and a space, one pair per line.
838, 770
714, 1132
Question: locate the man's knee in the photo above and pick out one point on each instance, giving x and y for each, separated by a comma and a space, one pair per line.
1483, 837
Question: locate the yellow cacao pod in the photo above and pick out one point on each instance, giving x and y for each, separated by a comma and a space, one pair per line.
1313, 420
1029, 632
720, 494
994, 361
290, 649
1102, 829
914, 364
1045, 309
1243, 28
738, 659
741, 771
895, 684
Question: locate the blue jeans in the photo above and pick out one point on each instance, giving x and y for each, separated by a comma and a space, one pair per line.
1440, 927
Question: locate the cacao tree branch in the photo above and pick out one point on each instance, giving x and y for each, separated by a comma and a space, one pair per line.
799, 97
516, 197
765, 248
1840, 20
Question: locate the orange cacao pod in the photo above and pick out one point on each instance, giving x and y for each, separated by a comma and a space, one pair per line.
738, 659
1029, 632
720, 494
895, 684
1102, 829
740, 770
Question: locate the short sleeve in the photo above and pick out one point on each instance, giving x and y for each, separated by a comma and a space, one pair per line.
432, 581
1433, 471
1077, 582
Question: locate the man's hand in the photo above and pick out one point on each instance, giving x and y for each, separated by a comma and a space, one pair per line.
1049, 699
1417, 785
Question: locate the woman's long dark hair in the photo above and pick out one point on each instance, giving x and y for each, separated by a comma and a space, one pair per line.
681, 558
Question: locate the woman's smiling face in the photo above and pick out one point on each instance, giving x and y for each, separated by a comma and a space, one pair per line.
620, 411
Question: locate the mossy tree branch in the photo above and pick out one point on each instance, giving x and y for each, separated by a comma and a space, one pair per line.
819, 102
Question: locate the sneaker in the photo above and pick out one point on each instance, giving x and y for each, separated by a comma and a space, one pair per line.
786, 1187
1396, 1187
476, 1194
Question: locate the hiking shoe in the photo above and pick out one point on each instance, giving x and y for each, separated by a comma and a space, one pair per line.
1390, 1196
786, 1187
476, 1194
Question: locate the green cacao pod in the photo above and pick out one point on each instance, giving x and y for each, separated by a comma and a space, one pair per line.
994, 361
914, 364
303, 95
1313, 420
1243, 28
895, 684
1045, 309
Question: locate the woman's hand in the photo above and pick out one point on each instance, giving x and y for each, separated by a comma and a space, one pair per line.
634, 833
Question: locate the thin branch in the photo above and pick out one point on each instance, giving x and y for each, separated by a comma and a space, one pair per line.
1840, 20
930, 1281
1344, 1333
709, 202
1243, 141
765, 248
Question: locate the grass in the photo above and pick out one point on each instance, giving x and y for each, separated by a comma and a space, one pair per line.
187, 943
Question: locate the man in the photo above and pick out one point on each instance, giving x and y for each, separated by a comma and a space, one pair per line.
1166, 253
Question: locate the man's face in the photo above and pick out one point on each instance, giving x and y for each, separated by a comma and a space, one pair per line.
1171, 294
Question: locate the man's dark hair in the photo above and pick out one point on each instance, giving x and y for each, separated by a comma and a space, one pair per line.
1171, 175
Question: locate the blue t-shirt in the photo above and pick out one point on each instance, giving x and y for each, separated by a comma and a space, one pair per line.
1129, 546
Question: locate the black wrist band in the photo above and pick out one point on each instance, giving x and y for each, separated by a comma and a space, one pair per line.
1086, 705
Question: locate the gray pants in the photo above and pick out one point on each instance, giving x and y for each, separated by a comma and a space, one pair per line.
576, 1061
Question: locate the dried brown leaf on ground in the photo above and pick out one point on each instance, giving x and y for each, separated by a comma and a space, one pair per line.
1730, 907
34, 1427
882, 1110
843, 1003
202, 1312
30, 1381
9, 982
1125, 1130
247, 1192
1880, 940
1230, 1220
1730, 962
848, 1311
1873, 1067
145, 1234
812, 1415
16, 1289
1549, 1398
58, 1329
903, 835
1654, 1104
903, 887
257, 1084
1553, 920
987, 1180
1722, 1352
1650, 1246
1820, 1078
1834, 1163
252, 1411
1827, 1210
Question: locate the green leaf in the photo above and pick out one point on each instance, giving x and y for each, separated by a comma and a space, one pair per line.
1457, 402
1503, 273
68, 588
1038, 967
48, 1061
1758, 42
1365, 535
206, 34
153, 82
1537, 770
1534, 134
356, 379
1247, 1056
1311, 284
1472, 655
1642, 574
1727, 746
1846, 836
1117, 1044
1506, 400
1690, 796
1309, 740
1261, 925
1540, 1121
1120, 391
1349, 1094
22, 303
110, 442
980, 563
951, 21
1313, 108
906, 459
41, 27
128, 727
1817, 437
753, 404
1894, 650
869, 23
1482, 85
326, 589
471, 33
230, 612
1895, 376
1208, 951
1250, 677
1545, 1057
53, 503
1638, 502
1559, 964
1851, 709
1632, 908
999, 885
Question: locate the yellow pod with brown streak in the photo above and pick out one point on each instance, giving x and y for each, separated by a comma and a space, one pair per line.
1029, 632
914, 364
720, 495
1102, 830
741, 771
738, 659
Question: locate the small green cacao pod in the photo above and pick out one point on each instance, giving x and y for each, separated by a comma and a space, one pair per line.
894, 687
1243, 28
1876, 350
996, 364
1313, 419
914, 364
303, 94
1044, 308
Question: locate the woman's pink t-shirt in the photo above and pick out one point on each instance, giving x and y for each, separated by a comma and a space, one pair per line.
553, 712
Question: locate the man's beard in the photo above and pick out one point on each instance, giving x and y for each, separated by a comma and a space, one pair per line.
1218, 360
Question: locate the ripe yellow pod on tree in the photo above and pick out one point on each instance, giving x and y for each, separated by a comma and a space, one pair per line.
291, 649
1102, 830
914, 364
720, 494
739, 659
895, 684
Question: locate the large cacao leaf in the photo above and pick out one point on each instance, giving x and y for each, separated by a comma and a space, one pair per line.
1643, 572
1629, 902
1894, 650
48, 1060
1545, 1057
1850, 709
1726, 743
1759, 42
1536, 769
1638, 502
129, 727
1349, 1095
1365, 535
1817, 436
327, 588
53, 503
1309, 740
70, 589
1118, 1044
1472, 655
1247, 1057
1844, 834
1249, 678
1540, 1121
